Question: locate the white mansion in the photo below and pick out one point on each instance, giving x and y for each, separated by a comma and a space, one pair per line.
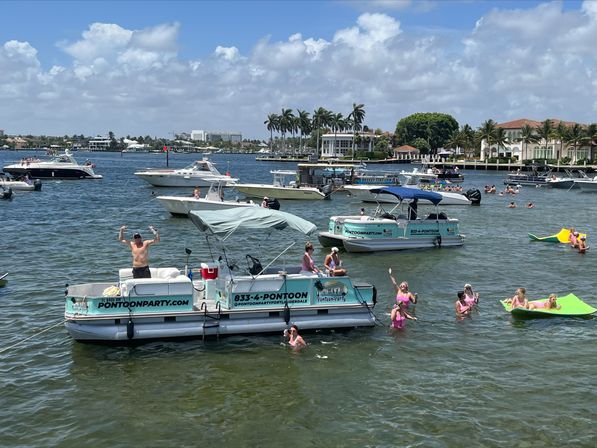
340, 144
555, 149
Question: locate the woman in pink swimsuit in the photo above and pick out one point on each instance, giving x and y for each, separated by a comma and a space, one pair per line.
308, 263
551, 304
470, 298
461, 306
519, 299
399, 316
403, 295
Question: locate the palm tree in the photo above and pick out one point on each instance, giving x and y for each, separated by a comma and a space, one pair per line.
320, 119
527, 135
286, 118
357, 116
561, 133
545, 132
487, 132
576, 135
304, 124
273, 124
591, 134
337, 122
501, 138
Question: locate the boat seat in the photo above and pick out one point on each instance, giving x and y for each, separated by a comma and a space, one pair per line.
127, 273
147, 287
289, 269
440, 215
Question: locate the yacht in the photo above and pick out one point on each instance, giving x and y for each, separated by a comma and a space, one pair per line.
201, 173
63, 166
281, 189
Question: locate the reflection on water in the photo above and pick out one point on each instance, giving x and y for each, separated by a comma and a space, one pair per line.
488, 380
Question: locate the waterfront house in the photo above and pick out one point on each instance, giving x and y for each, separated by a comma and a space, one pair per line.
407, 152
340, 144
99, 143
554, 149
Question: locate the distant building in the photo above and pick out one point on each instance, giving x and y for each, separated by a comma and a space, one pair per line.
17, 142
406, 152
1, 132
99, 143
217, 136
340, 144
554, 149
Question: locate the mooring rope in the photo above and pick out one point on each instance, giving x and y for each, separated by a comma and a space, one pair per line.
32, 336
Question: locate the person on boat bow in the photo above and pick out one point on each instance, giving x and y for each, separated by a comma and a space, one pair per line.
140, 251
332, 264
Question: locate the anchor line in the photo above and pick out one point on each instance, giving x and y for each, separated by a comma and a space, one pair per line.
364, 303
32, 336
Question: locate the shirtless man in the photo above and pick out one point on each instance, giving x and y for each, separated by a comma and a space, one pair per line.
140, 251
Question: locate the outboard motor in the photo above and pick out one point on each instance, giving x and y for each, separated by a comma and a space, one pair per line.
273, 203
37, 185
327, 190
473, 195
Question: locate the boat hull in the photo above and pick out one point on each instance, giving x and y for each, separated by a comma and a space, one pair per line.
181, 206
564, 184
170, 180
290, 193
587, 185
20, 185
50, 173
327, 239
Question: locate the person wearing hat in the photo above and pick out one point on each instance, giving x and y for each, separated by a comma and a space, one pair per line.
573, 238
332, 264
582, 245
140, 251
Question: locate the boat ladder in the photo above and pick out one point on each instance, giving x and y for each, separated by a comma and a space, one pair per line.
211, 320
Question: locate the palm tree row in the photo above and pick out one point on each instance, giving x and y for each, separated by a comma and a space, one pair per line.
286, 121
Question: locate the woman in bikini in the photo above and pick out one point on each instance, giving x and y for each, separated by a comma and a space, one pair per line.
550, 304
519, 300
403, 295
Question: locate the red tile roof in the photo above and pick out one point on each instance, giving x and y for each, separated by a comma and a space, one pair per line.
406, 148
517, 124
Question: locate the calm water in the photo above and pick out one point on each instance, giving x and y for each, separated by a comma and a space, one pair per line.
485, 381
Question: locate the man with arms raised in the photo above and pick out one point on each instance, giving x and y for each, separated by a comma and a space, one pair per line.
140, 251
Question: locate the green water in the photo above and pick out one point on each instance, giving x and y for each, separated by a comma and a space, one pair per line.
484, 381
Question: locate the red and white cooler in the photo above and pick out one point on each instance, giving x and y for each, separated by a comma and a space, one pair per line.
209, 271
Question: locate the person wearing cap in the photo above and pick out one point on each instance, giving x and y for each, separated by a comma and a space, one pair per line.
582, 245
573, 238
140, 251
264, 202
332, 264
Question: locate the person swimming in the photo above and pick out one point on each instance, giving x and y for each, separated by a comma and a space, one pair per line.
582, 245
471, 298
461, 307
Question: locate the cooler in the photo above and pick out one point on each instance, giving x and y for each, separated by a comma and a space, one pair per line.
209, 271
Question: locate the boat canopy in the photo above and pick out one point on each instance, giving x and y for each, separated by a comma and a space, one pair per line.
410, 193
225, 222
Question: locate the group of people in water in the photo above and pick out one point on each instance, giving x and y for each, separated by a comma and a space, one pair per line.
577, 241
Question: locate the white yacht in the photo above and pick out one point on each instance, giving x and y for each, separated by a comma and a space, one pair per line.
213, 200
63, 166
201, 173
281, 189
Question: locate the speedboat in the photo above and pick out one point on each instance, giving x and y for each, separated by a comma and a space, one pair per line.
567, 182
63, 166
587, 184
414, 179
537, 176
394, 230
219, 299
21, 185
213, 200
281, 189
201, 173
451, 175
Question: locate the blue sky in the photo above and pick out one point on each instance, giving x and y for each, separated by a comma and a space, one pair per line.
153, 67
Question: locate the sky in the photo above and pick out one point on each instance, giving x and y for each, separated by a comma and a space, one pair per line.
158, 68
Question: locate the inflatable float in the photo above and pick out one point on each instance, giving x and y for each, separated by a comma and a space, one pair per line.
570, 305
560, 237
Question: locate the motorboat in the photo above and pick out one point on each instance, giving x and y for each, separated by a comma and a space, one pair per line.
21, 184
567, 182
213, 200
394, 230
63, 166
201, 173
5, 192
419, 176
414, 179
537, 176
219, 299
376, 178
281, 188
587, 184
449, 174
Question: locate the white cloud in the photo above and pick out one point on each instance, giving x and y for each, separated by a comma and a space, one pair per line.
534, 62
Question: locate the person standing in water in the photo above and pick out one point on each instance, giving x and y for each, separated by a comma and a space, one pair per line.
140, 251
294, 338
461, 307
398, 316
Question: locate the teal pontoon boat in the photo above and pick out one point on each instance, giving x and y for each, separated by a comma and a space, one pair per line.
220, 300
394, 230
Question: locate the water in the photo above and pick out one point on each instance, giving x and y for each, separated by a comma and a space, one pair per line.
484, 381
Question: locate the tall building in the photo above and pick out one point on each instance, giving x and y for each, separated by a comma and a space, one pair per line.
340, 144
99, 143
216, 136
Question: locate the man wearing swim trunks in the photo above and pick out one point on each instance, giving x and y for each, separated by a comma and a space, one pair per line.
140, 251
